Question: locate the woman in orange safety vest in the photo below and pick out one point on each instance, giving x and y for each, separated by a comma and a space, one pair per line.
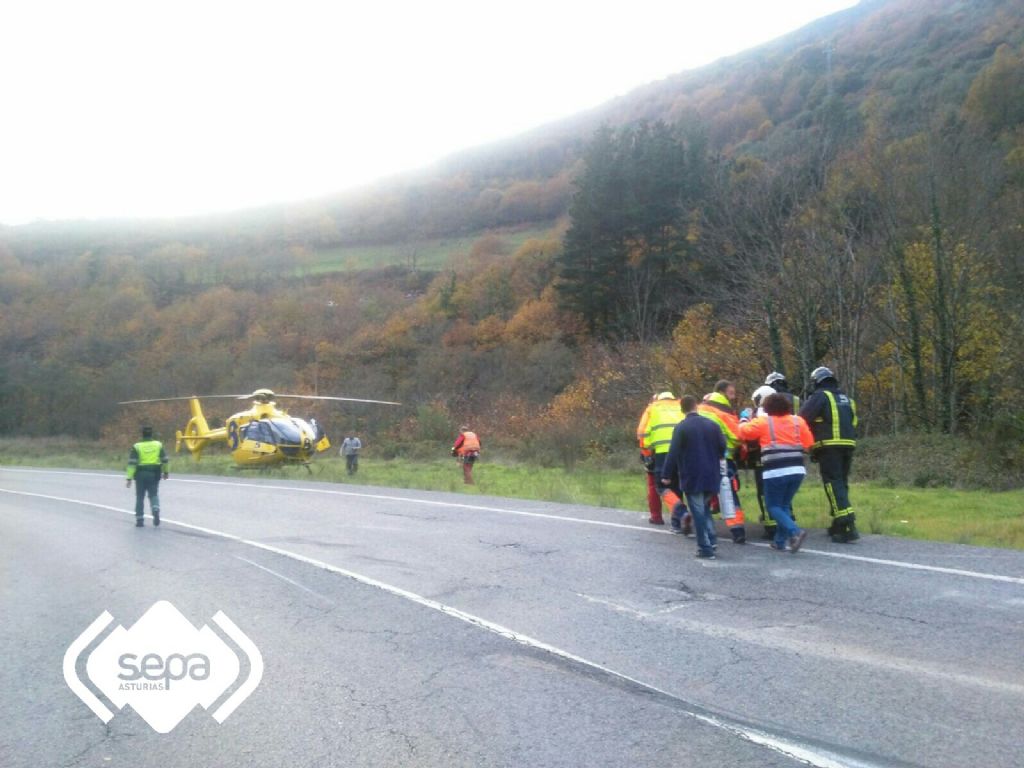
784, 439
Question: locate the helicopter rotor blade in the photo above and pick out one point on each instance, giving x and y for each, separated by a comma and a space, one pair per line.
184, 397
253, 396
340, 399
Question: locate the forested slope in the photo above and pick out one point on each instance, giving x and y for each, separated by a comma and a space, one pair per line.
851, 194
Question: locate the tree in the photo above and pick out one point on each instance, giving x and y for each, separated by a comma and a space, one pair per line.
623, 252
995, 100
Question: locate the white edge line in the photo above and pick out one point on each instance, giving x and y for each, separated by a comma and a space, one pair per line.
430, 502
775, 743
912, 566
281, 576
380, 497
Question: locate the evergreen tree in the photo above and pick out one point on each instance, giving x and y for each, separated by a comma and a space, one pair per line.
622, 255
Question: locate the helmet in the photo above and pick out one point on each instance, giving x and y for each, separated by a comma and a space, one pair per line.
774, 377
761, 393
665, 396
821, 373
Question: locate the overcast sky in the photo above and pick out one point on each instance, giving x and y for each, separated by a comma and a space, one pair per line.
127, 109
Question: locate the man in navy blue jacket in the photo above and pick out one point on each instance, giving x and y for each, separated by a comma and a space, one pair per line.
695, 458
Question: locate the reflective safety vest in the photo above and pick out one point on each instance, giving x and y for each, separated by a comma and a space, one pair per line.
662, 417
148, 453
782, 439
836, 420
470, 442
719, 410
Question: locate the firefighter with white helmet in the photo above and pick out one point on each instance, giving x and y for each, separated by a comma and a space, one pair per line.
753, 457
777, 381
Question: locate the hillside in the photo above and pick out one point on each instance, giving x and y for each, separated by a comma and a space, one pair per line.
849, 194
906, 58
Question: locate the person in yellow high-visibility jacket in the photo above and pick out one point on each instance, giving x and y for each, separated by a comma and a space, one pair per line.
147, 462
654, 435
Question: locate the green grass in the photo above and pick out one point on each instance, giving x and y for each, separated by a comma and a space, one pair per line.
979, 517
431, 253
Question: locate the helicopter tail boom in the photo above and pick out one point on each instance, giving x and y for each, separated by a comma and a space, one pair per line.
197, 432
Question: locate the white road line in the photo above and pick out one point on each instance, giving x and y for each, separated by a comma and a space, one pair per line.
561, 518
910, 566
281, 576
377, 496
814, 756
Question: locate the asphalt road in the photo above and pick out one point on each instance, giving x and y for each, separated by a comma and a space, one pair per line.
406, 628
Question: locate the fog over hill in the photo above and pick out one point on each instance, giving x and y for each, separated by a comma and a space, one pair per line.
908, 57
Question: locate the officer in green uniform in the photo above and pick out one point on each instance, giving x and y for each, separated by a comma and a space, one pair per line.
147, 461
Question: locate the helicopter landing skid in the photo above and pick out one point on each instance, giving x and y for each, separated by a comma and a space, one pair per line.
264, 468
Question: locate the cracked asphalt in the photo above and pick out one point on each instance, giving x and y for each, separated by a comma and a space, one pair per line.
473, 631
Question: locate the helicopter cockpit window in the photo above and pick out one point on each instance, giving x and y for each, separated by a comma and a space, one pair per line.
259, 431
286, 432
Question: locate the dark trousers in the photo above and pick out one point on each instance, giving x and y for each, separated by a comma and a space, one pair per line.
834, 462
467, 460
759, 485
352, 463
147, 483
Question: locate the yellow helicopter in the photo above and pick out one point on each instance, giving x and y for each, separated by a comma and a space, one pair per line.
262, 436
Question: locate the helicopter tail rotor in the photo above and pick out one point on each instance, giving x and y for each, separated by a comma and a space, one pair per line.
196, 432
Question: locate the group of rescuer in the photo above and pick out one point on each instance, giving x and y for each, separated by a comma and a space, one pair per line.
693, 471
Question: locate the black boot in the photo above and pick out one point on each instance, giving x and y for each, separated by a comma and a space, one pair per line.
843, 530
156, 517
139, 522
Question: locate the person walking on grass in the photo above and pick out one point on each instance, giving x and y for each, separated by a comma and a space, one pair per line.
147, 462
467, 451
350, 448
695, 458
783, 438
